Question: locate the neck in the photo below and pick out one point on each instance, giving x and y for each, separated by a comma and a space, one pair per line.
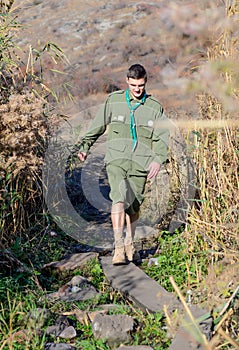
143, 95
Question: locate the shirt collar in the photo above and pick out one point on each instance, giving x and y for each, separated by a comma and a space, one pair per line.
135, 99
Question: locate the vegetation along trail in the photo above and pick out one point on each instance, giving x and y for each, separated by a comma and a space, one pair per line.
58, 61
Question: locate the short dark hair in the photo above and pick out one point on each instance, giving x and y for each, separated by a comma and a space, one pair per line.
136, 71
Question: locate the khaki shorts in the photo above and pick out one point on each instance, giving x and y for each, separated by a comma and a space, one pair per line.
126, 187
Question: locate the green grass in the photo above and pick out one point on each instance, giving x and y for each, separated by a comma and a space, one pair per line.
22, 293
18, 299
176, 260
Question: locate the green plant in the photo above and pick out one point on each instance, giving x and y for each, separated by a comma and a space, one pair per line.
93, 271
151, 330
176, 260
91, 344
17, 332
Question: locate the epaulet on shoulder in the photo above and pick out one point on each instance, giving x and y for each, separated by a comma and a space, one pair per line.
153, 98
116, 92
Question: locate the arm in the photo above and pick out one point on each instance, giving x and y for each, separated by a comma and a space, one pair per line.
160, 145
96, 129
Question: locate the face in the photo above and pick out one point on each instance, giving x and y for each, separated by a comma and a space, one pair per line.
136, 86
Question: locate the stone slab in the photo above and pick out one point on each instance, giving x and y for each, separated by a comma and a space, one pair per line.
71, 262
131, 281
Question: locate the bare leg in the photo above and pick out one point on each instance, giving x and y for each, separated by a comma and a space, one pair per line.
118, 221
131, 222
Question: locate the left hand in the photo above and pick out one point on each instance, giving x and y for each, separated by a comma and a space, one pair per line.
153, 170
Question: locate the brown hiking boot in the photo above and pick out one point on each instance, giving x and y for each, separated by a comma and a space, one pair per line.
119, 257
129, 251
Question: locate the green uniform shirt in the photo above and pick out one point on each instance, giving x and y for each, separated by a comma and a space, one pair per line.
152, 135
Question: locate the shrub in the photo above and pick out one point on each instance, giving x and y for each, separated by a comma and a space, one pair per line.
24, 125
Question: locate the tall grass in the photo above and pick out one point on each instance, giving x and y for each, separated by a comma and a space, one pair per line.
23, 130
24, 125
213, 223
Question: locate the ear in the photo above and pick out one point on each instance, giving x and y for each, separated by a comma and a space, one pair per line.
127, 80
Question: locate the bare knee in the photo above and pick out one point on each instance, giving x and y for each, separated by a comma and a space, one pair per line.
117, 208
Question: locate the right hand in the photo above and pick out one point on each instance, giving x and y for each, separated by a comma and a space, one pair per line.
82, 156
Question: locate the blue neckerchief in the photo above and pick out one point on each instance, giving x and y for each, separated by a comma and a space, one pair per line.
133, 132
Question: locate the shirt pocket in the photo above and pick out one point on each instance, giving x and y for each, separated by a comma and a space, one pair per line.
118, 128
116, 150
118, 145
145, 135
145, 128
144, 131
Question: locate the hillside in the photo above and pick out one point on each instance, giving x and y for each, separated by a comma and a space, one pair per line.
101, 39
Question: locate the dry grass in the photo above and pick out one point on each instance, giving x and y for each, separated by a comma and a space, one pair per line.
213, 221
214, 218
23, 130
24, 125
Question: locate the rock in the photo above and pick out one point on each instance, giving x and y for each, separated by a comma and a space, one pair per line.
62, 328
53, 331
71, 262
84, 317
78, 281
77, 289
9, 262
59, 346
113, 328
92, 315
63, 322
68, 333
153, 261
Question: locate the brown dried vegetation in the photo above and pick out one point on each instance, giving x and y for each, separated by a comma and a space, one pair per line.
23, 131
24, 125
